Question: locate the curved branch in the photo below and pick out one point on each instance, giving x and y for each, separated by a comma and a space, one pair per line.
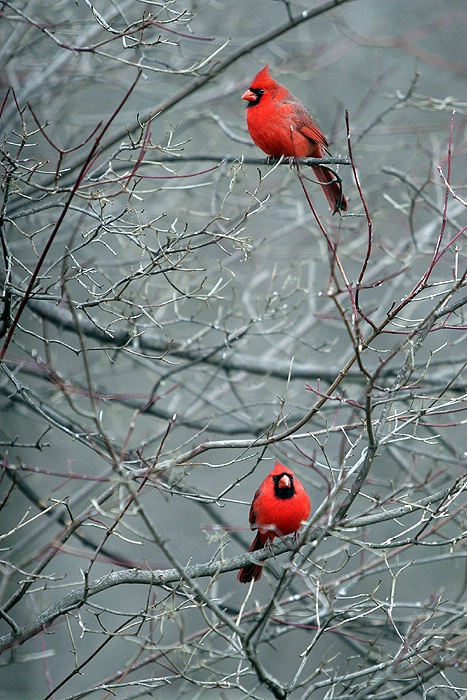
75, 599
220, 66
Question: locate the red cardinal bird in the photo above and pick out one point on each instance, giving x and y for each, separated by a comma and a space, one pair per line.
282, 126
280, 507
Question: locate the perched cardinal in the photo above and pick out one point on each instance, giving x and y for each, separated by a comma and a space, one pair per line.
282, 126
280, 507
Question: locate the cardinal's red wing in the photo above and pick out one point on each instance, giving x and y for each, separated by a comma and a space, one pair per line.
252, 516
307, 125
314, 133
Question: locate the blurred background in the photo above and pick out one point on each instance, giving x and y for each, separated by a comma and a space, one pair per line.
175, 318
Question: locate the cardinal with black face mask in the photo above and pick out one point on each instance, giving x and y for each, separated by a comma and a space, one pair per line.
280, 507
281, 125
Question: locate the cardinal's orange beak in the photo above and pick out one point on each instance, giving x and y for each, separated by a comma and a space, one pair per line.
249, 95
284, 482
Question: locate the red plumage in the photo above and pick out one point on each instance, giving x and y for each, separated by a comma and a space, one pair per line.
281, 125
280, 507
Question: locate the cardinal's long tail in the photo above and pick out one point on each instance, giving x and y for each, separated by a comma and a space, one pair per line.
332, 189
252, 571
